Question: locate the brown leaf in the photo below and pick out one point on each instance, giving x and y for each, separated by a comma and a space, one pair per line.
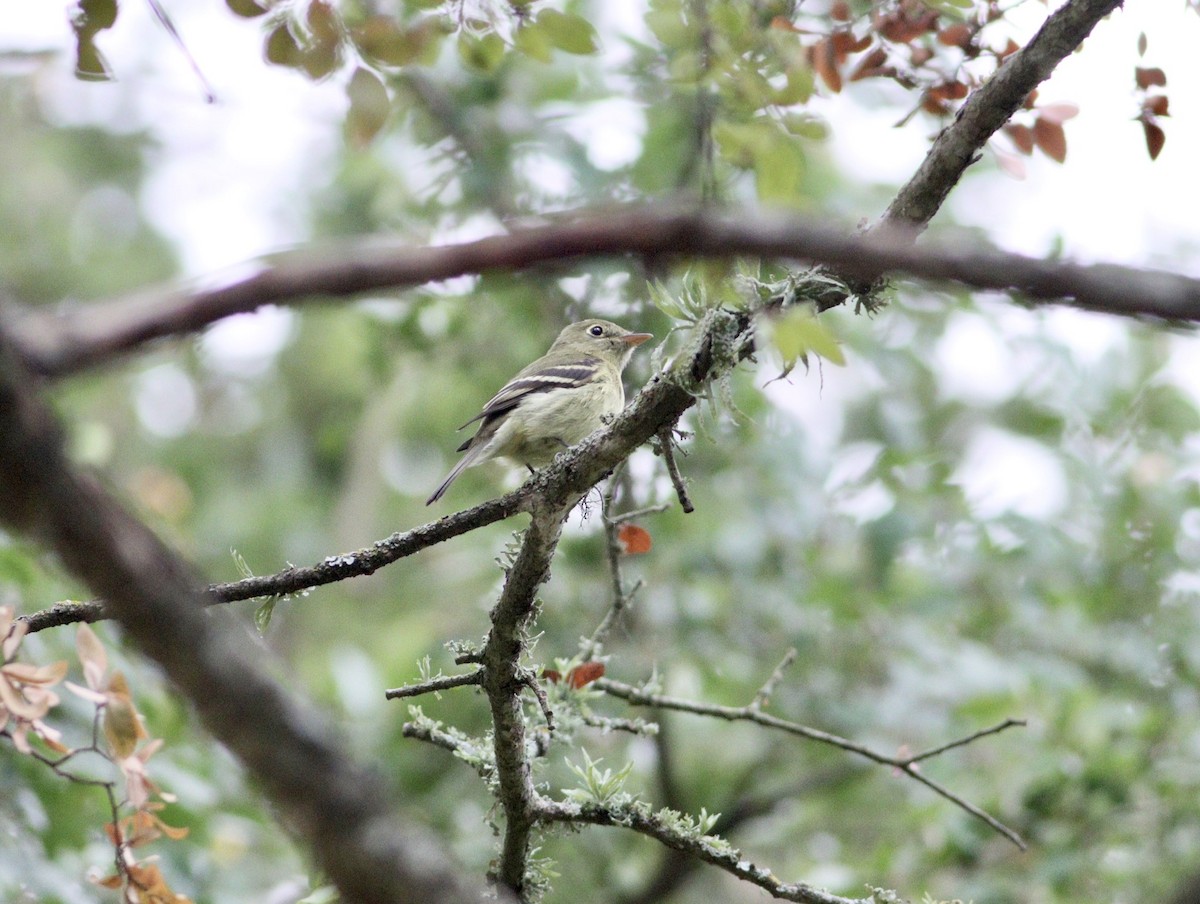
1155, 138
870, 65
1149, 77
957, 35
92, 656
634, 540
552, 676
1030, 100
1009, 49
840, 11
584, 674
1022, 137
1156, 105
1141, 44
821, 56
1050, 139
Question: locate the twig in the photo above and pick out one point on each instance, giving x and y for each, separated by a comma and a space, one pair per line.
983, 732
459, 746
666, 442
621, 598
531, 682
433, 685
763, 697
639, 697
709, 849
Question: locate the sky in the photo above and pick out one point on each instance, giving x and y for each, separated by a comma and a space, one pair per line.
223, 182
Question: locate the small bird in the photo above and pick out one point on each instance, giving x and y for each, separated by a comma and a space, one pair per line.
558, 400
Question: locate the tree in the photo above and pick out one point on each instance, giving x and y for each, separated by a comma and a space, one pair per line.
888, 601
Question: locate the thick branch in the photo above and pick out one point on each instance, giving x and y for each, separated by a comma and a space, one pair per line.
89, 335
341, 808
503, 681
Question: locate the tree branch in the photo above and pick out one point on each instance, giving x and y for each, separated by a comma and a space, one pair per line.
345, 815
706, 848
752, 713
986, 110
56, 345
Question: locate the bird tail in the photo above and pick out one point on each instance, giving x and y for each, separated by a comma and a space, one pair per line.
470, 458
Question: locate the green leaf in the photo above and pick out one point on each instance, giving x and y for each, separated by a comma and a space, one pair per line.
96, 15
798, 333
532, 40
246, 9
799, 87
369, 107
482, 53
281, 47
568, 32
668, 26
90, 65
806, 126
778, 168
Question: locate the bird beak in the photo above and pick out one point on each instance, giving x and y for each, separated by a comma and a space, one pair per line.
636, 339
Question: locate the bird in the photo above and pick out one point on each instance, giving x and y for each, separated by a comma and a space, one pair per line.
558, 400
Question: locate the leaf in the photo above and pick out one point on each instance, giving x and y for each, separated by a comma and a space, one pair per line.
122, 727
1141, 44
1022, 137
798, 333
484, 53
262, 614
634, 540
568, 32
531, 40
369, 107
246, 9
799, 86
956, 35
90, 65
280, 47
584, 674
92, 657
778, 168
1058, 113
1149, 77
1155, 138
824, 63
1050, 139
552, 675
1156, 105
95, 15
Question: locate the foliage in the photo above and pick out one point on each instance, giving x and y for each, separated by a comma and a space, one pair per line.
977, 514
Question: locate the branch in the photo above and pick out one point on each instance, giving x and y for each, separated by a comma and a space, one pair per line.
709, 849
346, 815
986, 110
752, 713
56, 345
433, 685
503, 680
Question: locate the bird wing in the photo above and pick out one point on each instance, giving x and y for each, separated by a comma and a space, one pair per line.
541, 379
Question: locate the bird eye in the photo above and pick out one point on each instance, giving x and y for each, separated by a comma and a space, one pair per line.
597, 330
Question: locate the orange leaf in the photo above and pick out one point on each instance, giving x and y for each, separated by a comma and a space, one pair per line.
1146, 77
552, 676
634, 540
585, 674
1155, 139
784, 24
1050, 139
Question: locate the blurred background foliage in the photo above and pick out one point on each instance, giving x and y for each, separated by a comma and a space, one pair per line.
989, 512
